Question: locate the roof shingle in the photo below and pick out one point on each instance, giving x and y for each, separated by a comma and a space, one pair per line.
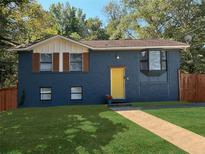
132, 43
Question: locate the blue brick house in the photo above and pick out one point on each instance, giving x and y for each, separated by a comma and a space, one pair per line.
60, 71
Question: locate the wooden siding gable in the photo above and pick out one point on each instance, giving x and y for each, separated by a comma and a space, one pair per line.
59, 45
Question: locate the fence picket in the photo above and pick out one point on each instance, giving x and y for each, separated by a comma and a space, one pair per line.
8, 98
192, 87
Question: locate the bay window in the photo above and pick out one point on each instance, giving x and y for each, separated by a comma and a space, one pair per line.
153, 61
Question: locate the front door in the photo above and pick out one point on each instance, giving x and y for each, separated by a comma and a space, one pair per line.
118, 83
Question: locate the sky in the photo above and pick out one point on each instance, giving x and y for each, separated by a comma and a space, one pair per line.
92, 8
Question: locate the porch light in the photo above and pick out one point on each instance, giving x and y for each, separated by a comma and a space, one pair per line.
117, 57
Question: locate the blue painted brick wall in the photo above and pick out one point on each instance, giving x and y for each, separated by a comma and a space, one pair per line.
96, 83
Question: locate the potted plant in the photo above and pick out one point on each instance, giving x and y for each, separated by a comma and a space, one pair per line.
108, 99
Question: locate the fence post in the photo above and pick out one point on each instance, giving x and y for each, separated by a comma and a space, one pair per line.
179, 82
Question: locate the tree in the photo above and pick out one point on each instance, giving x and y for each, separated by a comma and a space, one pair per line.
6, 8
72, 22
116, 13
31, 23
21, 22
7, 60
68, 19
95, 31
169, 20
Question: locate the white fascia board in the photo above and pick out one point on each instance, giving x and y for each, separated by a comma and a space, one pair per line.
143, 47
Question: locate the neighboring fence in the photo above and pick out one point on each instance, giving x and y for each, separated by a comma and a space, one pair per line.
192, 87
8, 98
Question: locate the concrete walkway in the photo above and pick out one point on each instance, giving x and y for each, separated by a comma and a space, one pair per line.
182, 138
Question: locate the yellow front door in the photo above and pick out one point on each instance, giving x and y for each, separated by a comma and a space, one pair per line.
118, 83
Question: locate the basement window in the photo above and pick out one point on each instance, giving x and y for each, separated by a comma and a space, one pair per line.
76, 93
45, 94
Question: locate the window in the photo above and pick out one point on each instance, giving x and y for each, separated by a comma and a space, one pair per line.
153, 61
75, 62
45, 94
46, 62
163, 60
144, 60
76, 93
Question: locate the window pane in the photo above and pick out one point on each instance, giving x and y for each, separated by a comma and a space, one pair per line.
143, 65
164, 65
45, 96
163, 55
154, 60
76, 90
75, 66
45, 57
143, 55
76, 58
76, 96
45, 90
46, 67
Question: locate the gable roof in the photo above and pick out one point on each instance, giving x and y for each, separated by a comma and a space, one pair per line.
134, 43
112, 44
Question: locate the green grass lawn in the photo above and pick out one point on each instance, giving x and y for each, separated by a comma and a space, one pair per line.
75, 129
158, 104
190, 118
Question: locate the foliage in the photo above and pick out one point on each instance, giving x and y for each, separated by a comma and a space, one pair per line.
163, 19
68, 19
72, 22
116, 12
95, 31
7, 60
8, 69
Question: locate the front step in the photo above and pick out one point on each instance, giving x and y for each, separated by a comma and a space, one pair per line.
119, 104
118, 100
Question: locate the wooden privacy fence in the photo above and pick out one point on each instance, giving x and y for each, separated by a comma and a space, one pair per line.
8, 98
192, 87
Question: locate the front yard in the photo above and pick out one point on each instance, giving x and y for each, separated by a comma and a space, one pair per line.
192, 119
148, 105
75, 129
